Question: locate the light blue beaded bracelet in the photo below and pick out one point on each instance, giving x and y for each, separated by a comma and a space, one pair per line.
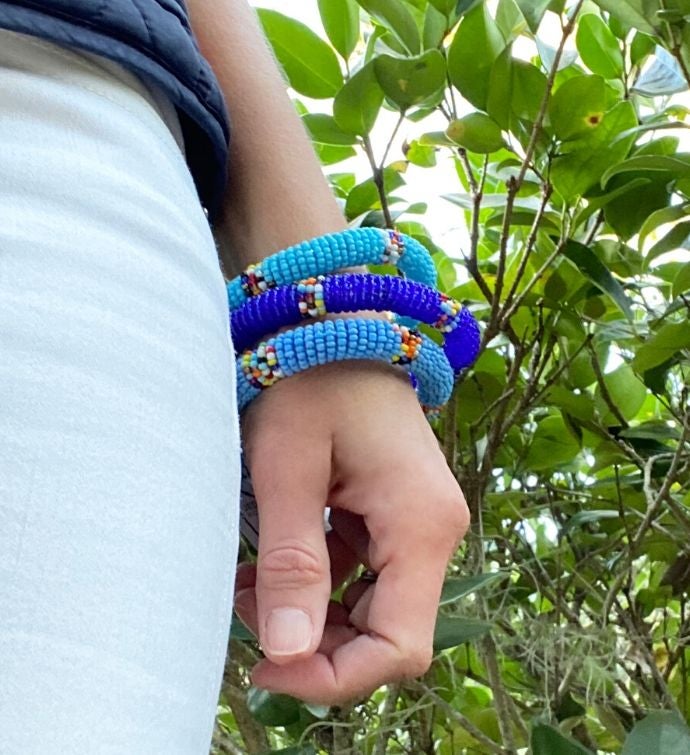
332, 252
334, 340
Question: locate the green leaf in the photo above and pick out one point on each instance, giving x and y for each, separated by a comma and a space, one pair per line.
627, 214
477, 133
357, 104
675, 166
581, 168
588, 517
552, 445
410, 81
635, 13
627, 392
575, 404
475, 47
455, 588
676, 238
422, 155
547, 740
533, 11
330, 154
660, 733
271, 709
444, 6
578, 106
681, 283
598, 47
325, 130
667, 341
510, 20
529, 88
435, 139
394, 15
658, 431
594, 204
365, 195
296, 750
434, 29
590, 265
661, 217
641, 46
456, 630
498, 104
309, 63
340, 19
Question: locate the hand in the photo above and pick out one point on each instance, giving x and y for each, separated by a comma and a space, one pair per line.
351, 436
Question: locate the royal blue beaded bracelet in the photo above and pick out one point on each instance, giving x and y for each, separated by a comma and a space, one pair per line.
334, 340
314, 297
331, 252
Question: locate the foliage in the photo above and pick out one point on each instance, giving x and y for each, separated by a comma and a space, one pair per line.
564, 623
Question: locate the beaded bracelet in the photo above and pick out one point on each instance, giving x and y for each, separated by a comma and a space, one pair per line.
334, 340
331, 252
314, 297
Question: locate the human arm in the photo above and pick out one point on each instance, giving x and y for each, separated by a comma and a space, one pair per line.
273, 172
348, 435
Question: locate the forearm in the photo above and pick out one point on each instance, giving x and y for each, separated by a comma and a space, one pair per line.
277, 194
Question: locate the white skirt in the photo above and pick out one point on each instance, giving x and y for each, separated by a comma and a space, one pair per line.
119, 434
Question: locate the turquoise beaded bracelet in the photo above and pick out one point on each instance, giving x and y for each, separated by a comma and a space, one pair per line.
331, 252
334, 340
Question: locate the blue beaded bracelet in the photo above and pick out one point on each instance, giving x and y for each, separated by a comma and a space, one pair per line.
331, 252
334, 340
314, 297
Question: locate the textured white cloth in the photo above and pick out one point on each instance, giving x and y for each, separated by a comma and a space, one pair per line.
119, 435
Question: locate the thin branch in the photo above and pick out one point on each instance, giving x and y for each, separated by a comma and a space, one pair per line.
389, 706
547, 191
505, 726
539, 121
391, 140
513, 188
488, 744
377, 175
604, 390
252, 732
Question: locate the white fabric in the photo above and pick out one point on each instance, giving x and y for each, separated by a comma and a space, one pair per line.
119, 436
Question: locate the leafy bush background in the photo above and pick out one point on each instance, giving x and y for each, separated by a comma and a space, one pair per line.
564, 621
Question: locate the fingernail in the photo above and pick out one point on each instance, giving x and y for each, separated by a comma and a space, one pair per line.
288, 631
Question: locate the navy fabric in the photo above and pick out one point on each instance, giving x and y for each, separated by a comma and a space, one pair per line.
154, 39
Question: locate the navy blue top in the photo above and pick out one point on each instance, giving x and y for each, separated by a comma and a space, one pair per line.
154, 39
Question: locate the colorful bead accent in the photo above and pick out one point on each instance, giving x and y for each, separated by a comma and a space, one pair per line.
253, 282
331, 252
310, 301
353, 292
334, 340
394, 248
411, 343
260, 366
448, 319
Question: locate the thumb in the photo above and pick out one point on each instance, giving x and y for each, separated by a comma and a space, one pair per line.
291, 477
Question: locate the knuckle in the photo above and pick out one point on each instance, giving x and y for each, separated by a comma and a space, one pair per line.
449, 520
416, 662
457, 513
291, 565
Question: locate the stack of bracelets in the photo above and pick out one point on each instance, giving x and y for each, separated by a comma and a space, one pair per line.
302, 282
